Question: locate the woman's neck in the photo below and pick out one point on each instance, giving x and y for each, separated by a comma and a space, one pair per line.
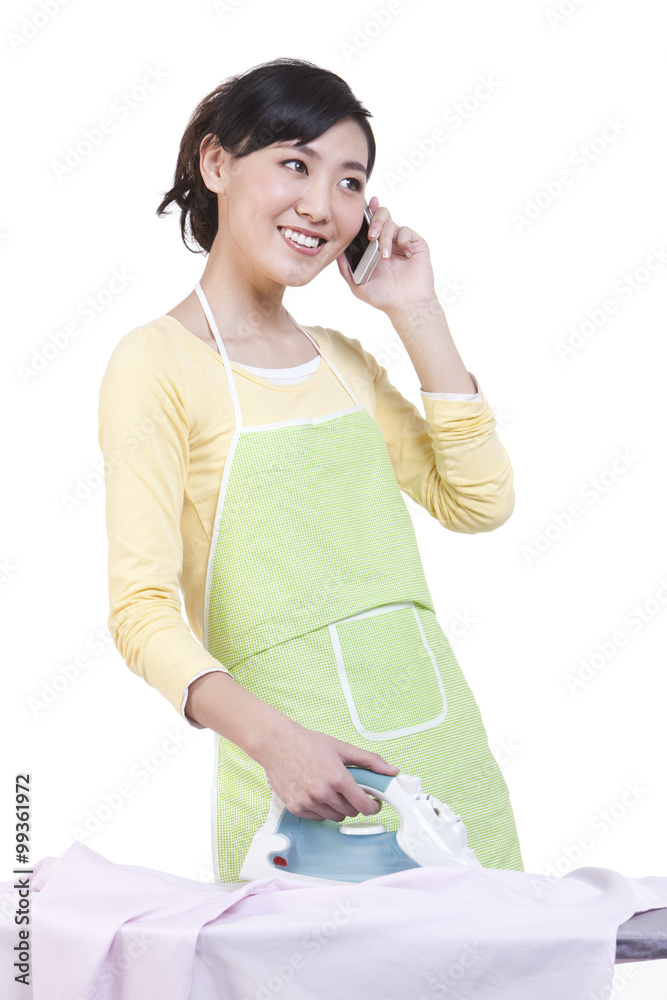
255, 331
244, 305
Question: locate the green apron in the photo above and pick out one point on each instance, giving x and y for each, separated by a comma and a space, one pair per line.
316, 601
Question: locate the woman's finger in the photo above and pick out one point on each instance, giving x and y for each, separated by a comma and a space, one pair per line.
386, 237
404, 238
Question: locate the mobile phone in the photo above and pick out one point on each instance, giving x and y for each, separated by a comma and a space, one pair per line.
362, 255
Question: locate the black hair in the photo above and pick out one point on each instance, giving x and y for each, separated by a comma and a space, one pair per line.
279, 101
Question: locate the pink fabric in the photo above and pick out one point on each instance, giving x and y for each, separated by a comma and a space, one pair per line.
103, 931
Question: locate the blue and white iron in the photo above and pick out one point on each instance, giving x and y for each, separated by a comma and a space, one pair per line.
313, 850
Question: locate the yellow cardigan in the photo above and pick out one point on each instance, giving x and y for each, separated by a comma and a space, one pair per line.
165, 424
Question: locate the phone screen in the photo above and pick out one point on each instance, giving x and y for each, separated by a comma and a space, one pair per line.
358, 247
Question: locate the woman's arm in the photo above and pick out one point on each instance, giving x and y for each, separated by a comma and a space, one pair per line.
426, 336
472, 466
143, 434
451, 461
305, 767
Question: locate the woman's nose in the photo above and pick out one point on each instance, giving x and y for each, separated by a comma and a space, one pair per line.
316, 205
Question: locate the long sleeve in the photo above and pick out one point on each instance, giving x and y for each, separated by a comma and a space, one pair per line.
143, 434
165, 426
452, 463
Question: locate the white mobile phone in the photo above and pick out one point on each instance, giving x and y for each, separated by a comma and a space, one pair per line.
362, 255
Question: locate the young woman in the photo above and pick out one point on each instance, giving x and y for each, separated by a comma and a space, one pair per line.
258, 465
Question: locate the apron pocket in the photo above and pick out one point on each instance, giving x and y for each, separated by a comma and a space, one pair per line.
388, 672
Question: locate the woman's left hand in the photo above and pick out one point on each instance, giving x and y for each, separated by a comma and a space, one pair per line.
403, 278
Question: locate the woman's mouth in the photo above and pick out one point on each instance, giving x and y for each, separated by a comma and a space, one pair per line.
309, 245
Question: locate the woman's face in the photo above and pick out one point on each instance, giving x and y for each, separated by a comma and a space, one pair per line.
316, 189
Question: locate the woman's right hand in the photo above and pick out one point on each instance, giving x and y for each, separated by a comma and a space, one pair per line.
306, 769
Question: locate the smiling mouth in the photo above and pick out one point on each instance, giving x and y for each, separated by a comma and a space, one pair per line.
299, 241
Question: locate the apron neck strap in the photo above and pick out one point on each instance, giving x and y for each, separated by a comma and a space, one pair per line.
228, 367
223, 353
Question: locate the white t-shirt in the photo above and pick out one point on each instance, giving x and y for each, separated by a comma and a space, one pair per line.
288, 376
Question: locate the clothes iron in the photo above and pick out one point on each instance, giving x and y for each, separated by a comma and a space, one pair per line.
325, 851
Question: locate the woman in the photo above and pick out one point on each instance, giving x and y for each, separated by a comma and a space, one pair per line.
258, 466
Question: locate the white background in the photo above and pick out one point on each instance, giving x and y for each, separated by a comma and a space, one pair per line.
523, 285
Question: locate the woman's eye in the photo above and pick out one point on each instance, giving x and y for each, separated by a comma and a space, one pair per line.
354, 183
286, 162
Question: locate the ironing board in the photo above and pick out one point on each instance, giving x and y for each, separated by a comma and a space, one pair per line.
642, 938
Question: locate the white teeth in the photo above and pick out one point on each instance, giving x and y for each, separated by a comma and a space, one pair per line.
305, 241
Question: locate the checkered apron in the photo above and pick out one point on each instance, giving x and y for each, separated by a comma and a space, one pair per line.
317, 603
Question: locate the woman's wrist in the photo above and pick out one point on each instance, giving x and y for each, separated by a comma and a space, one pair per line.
420, 312
219, 702
423, 329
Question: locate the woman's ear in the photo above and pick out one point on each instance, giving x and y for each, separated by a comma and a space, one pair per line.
213, 163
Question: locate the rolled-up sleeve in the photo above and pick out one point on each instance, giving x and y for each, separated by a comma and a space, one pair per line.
143, 434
